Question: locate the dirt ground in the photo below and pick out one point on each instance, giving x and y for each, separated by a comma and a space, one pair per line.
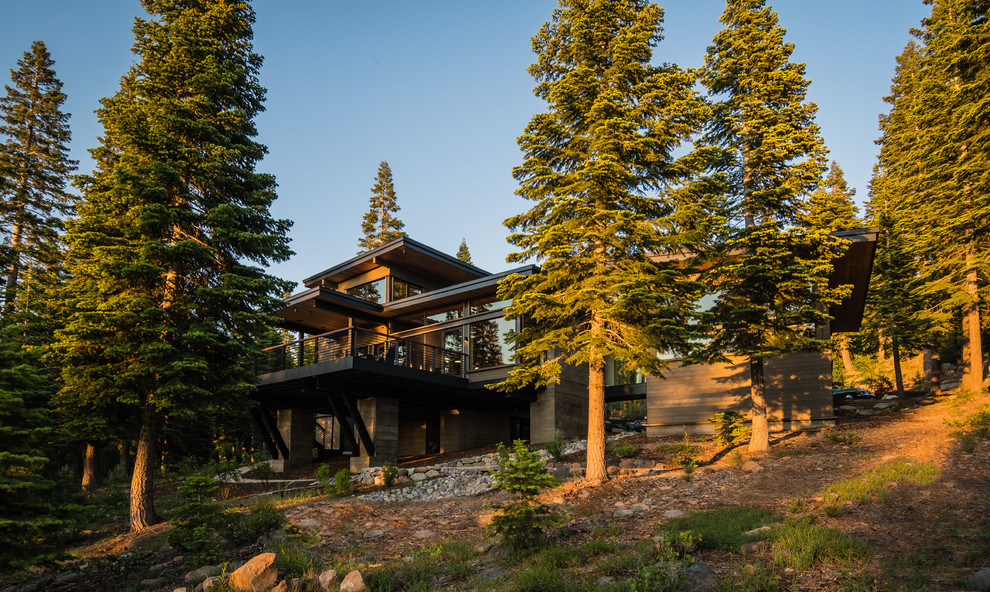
934, 536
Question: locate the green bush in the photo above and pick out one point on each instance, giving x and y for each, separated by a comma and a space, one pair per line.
342, 483
730, 428
389, 473
196, 521
323, 475
872, 373
624, 450
522, 521
843, 438
555, 448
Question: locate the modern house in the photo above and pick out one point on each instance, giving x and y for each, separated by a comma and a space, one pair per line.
389, 354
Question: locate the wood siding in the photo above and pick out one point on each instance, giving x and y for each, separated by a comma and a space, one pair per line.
799, 394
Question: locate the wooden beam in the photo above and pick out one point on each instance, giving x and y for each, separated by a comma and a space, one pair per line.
369, 445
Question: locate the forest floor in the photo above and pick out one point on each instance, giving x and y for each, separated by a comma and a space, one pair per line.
918, 536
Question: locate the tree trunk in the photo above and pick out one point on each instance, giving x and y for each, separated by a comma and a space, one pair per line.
143, 481
895, 351
936, 373
10, 294
595, 469
125, 459
759, 440
972, 363
847, 363
881, 351
89, 467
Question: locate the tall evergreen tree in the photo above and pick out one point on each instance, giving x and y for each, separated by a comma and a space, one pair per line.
167, 296
34, 168
380, 224
599, 166
28, 507
831, 207
770, 277
951, 205
463, 254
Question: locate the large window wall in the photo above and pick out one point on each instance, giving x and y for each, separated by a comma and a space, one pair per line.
376, 291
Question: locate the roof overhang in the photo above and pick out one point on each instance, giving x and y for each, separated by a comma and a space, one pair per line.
853, 268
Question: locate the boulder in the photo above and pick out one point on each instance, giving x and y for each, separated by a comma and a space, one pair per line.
674, 514
282, 586
424, 534
980, 580
260, 573
209, 583
751, 467
329, 580
198, 575
698, 577
353, 582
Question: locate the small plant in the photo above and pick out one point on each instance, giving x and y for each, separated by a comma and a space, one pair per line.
624, 451
323, 474
689, 464
555, 448
342, 483
389, 474
730, 428
972, 429
800, 544
523, 520
718, 529
875, 482
667, 572
843, 438
293, 561
196, 520
263, 471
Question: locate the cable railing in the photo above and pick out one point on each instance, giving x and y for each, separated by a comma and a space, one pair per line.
361, 343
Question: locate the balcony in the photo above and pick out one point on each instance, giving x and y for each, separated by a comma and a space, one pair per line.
361, 344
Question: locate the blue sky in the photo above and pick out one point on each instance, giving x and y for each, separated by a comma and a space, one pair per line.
439, 89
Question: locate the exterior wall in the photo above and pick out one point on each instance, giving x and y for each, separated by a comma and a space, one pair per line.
419, 430
562, 406
296, 427
465, 428
381, 418
799, 394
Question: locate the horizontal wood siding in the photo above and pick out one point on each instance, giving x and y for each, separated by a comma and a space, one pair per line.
799, 389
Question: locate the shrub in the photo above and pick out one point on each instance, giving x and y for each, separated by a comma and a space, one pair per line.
523, 520
730, 428
844, 438
666, 574
625, 450
342, 483
196, 521
872, 373
389, 473
323, 476
555, 448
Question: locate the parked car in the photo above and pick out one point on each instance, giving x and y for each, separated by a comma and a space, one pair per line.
849, 394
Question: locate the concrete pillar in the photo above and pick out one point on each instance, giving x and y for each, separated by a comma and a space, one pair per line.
562, 406
296, 427
381, 418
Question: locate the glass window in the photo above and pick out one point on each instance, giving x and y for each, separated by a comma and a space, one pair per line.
489, 304
371, 291
442, 315
403, 289
488, 346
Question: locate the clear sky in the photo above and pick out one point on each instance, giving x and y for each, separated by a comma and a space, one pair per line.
439, 89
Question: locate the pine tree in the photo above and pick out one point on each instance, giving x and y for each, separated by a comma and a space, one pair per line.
951, 203
34, 168
167, 297
28, 507
380, 225
607, 190
831, 207
769, 277
463, 254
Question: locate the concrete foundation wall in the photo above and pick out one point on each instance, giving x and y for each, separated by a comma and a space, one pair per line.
381, 418
470, 429
562, 406
412, 431
799, 394
296, 427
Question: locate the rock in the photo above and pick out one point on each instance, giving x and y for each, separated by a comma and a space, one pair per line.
757, 531
674, 514
179, 590
210, 582
417, 477
151, 583
67, 578
141, 541
561, 473
374, 533
751, 466
884, 405
947, 367
432, 474
622, 513
980, 580
329, 580
639, 507
698, 577
628, 463
259, 573
752, 547
605, 581
282, 586
309, 524
492, 572
866, 412
198, 575
424, 534
353, 582
851, 408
